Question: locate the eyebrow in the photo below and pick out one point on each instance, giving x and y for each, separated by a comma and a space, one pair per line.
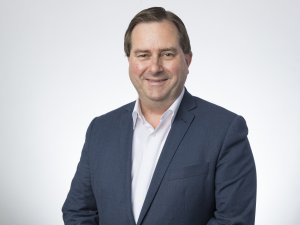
140, 51
160, 50
169, 49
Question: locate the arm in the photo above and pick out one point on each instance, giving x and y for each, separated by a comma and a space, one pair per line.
235, 182
80, 206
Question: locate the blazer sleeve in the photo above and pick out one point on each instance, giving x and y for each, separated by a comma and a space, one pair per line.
80, 206
235, 181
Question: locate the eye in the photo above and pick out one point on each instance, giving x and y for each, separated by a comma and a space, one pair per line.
168, 54
142, 55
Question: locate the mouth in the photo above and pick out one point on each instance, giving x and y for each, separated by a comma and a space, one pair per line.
156, 82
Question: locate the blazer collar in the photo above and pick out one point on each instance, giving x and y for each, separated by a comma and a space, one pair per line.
180, 125
179, 128
186, 104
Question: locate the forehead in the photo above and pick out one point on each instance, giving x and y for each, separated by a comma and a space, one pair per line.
148, 33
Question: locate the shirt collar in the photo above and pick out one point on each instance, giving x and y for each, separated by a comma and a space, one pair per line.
137, 113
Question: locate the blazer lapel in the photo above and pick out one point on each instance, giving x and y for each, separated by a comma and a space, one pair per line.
126, 127
179, 128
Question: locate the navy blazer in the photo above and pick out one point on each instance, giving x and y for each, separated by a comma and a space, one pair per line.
205, 174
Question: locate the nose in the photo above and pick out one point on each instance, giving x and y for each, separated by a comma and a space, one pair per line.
156, 65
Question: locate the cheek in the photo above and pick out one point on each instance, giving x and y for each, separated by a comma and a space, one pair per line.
135, 69
183, 69
178, 70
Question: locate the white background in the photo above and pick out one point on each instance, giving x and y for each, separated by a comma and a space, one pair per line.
62, 63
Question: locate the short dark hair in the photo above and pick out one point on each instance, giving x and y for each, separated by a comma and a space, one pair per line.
157, 14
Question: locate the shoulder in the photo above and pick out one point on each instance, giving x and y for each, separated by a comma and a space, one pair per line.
212, 109
109, 125
211, 115
203, 107
116, 114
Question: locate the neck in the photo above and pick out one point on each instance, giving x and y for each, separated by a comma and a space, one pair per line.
153, 112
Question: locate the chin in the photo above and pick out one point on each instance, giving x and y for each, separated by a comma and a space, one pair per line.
158, 98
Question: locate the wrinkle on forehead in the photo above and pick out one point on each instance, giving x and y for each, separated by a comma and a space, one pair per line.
155, 36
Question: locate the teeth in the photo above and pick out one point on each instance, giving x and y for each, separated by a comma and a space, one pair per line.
156, 81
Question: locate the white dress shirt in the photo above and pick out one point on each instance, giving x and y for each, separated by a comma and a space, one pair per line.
146, 148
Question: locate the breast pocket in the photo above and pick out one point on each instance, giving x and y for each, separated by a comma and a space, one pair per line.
189, 171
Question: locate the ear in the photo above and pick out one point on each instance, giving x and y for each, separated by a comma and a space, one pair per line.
188, 58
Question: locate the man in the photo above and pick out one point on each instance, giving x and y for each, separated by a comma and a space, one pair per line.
168, 158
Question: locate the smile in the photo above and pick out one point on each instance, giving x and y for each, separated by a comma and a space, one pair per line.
156, 82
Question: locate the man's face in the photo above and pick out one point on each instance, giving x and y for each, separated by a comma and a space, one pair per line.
157, 65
